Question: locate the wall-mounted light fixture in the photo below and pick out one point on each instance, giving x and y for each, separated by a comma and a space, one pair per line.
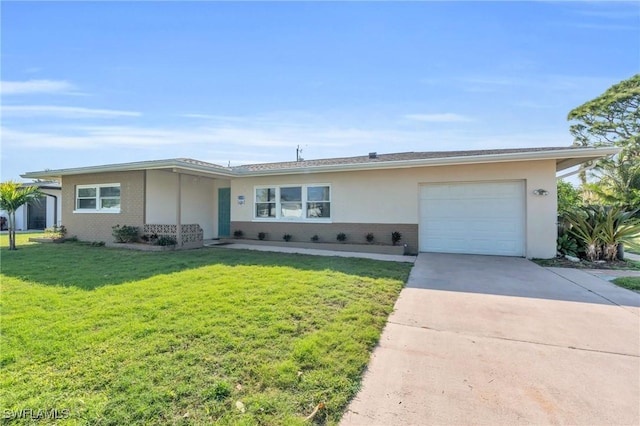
541, 192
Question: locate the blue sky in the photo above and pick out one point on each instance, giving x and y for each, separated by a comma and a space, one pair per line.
109, 82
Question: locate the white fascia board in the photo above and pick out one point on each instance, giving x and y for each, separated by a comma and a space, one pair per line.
587, 153
123, 167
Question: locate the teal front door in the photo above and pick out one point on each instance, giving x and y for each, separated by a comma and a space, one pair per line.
224, 212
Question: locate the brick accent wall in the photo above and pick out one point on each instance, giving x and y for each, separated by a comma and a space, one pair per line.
97, 226
327, 232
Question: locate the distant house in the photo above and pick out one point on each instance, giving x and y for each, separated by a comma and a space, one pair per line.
36, 216
500, 202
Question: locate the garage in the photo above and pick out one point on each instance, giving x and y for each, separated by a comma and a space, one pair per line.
473, 218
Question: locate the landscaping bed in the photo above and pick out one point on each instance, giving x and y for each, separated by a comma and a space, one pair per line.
561, 262
362, 248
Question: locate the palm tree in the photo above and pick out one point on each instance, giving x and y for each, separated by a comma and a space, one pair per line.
12, 196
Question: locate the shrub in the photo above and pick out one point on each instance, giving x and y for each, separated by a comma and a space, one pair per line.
238, 233
342, 237
151, 239
315, 238
395, 237
567, 245
599, 229
369, 237
262, 236
167, 240
56, 231
125, 233
286, 237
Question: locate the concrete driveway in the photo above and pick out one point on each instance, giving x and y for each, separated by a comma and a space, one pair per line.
495, 340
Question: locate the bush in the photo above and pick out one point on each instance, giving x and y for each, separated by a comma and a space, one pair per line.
167, 240
599, 230
369, 237
286, 237
342, 237
262, 236
395, 237
567, 245
55, 232
315, 238
125, 233
151, 239
238, 233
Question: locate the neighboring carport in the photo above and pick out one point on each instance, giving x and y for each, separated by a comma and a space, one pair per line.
497, 340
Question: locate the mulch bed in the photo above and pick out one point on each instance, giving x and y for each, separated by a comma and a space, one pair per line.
561, 262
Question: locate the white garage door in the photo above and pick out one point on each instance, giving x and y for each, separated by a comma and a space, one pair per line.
473, 218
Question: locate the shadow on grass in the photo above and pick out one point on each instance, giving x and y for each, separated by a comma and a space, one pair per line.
87, 267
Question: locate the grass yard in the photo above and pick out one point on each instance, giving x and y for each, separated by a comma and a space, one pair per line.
187, 337
632, 283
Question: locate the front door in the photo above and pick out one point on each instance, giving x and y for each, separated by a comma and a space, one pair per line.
37, 215
224, 212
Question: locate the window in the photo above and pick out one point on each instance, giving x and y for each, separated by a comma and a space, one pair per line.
98, 198
293, 202
318, 202
265, 202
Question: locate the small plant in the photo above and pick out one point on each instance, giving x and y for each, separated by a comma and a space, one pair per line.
262, 236
342, 237
125, 233
315, 238
238, 233
55, 232
151, 239
369, 237
567, 245
286, 237
395, 237
167, 240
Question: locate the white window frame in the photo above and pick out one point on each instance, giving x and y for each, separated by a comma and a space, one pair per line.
304, 202
98, 209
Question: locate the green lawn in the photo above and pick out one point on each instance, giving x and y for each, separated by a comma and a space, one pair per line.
121, 337
632, 283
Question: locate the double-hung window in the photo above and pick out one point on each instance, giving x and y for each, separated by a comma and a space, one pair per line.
293, 202
102, 198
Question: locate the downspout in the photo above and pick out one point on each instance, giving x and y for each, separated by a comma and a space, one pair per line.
179, 211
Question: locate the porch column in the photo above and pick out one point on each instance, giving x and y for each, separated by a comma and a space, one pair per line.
179, 210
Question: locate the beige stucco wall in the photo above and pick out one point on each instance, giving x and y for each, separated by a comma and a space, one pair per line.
97, 226
391, 196
199, 200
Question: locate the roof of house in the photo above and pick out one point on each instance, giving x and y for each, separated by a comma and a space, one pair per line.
565, 157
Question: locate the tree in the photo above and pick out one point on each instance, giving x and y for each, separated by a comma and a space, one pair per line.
12, 196
611, 119
569, 197
618, 185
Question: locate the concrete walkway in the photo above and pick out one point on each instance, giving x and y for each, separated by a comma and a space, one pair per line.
316, 252
632, 256
502, 341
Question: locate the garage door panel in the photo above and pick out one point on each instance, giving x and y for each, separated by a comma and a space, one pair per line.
480, 218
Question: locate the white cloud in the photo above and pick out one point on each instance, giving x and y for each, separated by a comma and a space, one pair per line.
64, 111
438, 118
36, 86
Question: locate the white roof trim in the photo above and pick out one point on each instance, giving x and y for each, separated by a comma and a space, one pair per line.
581, 154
